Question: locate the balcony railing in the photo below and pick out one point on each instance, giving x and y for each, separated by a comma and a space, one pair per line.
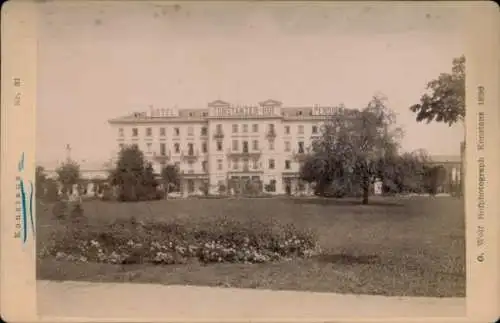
244, 153
299, 155
219, 134
191, 173
161, 157
271, 134
190, 154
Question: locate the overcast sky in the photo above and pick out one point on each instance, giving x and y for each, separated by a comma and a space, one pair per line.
98, 61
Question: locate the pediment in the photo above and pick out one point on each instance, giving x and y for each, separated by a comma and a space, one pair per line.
270, 102
218, 103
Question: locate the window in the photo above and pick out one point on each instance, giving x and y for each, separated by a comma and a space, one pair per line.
255, 164
299, 113
148, 147
287, 164
190, 149
204, 114
255, 145
177, 132
245, 128
301, 129
219, 164
135, 132
245, 164
120, 132
219, 145
162, 132
235, 145
271, 127
204, 147
314, 129
287, 130
235, 164
163, 149
190, 114
177, 148
245, 146
271, 163
149, 132
218, 128
301, 147
121, 146
204, 131
287, 146
204, 166
177, 165
190, 131
271, 145
235, 128
255, 128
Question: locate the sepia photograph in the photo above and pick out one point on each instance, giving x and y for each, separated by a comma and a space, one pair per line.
249, 160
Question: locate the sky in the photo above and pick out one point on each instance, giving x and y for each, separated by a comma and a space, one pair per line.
100, 60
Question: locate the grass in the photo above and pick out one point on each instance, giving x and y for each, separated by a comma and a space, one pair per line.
411, 247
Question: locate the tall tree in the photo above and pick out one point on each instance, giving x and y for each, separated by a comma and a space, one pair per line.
133, 176
445, 97
355, 146
68, 174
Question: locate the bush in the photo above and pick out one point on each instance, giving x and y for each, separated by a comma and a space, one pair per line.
222, 240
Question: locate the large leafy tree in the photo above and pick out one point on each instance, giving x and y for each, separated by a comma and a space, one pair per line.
355, 146
445, 100
133, 176
445, 97
406, 172
68, 174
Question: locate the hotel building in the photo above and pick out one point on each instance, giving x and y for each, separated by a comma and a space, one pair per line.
224, 143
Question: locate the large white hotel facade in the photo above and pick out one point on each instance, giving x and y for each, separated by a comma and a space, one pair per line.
224, 142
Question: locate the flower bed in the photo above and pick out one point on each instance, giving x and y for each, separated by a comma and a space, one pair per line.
218, 240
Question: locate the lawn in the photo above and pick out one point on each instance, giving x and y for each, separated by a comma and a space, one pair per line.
409, 247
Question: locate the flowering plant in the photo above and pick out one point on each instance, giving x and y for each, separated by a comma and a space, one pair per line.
219, 240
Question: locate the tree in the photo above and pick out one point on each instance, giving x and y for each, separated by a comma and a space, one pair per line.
133, 176
405, 173
40, 181
171, 177
52, 190
355, 146
445, 100
68, 174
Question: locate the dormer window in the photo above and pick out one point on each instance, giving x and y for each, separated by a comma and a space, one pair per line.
299, 113
190, 114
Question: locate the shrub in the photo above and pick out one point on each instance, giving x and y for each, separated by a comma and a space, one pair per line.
220, 240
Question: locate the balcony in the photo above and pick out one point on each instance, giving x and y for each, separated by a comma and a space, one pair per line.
194, 174
161, 157
190, 155
299, 155
271, 134
218, 135
244, 154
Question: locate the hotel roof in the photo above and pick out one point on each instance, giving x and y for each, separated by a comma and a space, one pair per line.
197, 115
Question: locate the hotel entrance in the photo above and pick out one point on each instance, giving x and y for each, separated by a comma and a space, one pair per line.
245, 185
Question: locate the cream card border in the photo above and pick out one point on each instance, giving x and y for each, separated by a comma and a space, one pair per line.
19, 60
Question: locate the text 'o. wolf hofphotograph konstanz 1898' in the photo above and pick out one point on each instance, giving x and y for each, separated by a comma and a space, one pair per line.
252, 146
